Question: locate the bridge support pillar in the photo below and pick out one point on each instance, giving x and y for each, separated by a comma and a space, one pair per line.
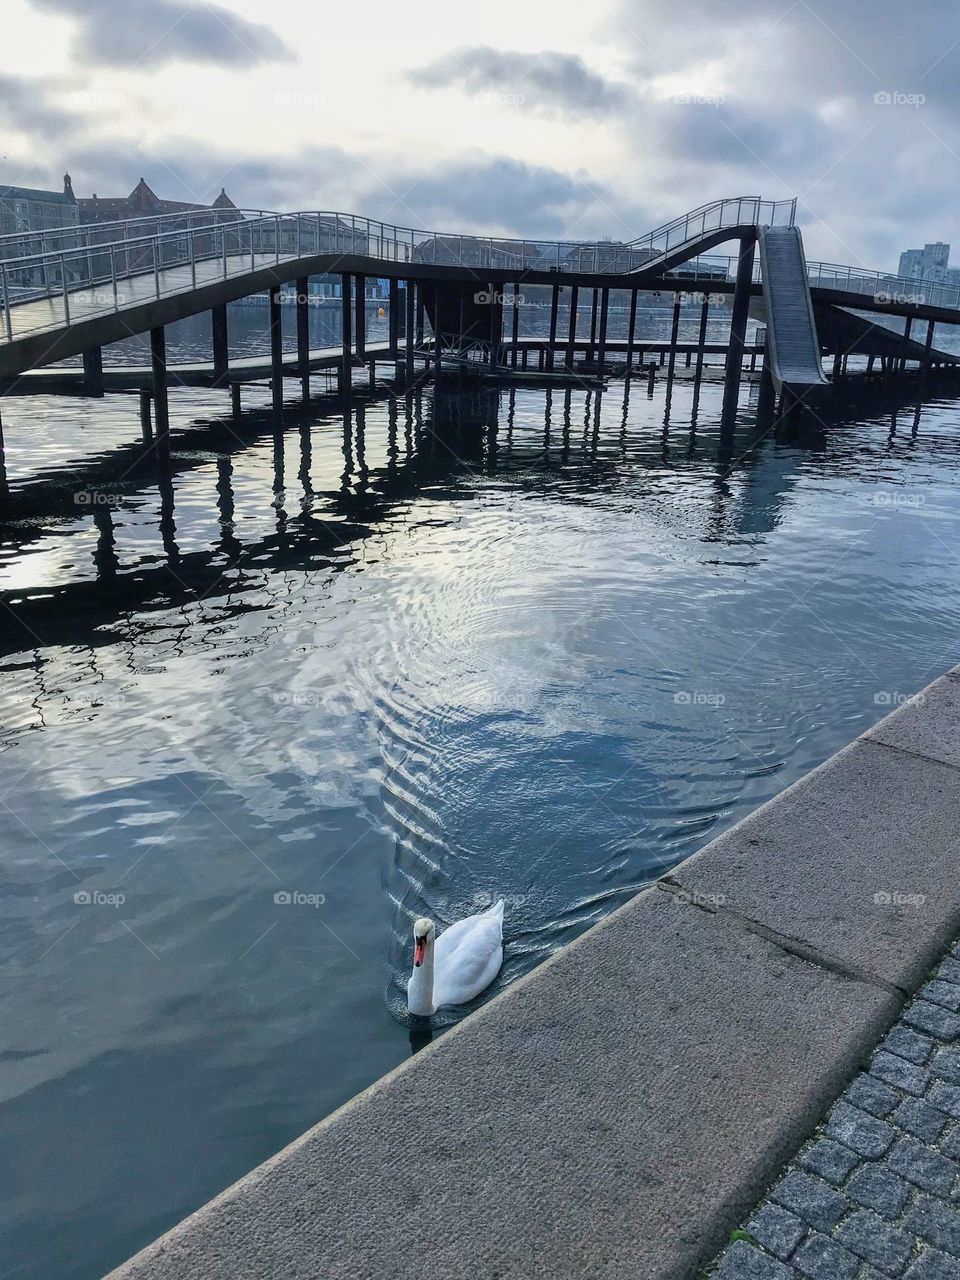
276, 355
591, 350
602, 346
702, 337
346, 358
515, 319
419, 323
902, 362
738, 322
93, 372
572, 332
303, 336
146, 426
410, 372
554, 308
674, 332
496, 321
221, 358
631, 330
235, 399
394, 319
360, 311
927, 346
161, 412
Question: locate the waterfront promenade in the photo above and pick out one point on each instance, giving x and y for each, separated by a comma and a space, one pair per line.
617, 1112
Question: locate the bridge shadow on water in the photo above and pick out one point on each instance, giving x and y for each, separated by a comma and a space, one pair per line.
572, 443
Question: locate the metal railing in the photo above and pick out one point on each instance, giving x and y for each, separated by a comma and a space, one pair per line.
103, 274
200, 247
881, 287
76, 235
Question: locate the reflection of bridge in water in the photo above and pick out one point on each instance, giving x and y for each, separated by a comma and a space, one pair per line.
431, 444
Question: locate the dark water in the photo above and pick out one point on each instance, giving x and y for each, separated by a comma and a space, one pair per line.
190, 339
460, 645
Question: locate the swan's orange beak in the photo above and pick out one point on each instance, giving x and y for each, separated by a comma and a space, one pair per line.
419, 947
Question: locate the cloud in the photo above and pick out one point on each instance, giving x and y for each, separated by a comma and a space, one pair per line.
479, 192
494, 191
550, 81
26, 106
152, 32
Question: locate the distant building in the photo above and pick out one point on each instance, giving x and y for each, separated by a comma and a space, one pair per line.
25, 213
929, 263
25, 209
142, 202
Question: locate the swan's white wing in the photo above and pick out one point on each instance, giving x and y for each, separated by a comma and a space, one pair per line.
468, 957
451, 938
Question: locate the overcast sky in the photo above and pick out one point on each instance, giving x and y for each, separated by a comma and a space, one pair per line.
520, 118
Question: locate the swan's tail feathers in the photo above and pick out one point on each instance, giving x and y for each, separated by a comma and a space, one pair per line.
496, 912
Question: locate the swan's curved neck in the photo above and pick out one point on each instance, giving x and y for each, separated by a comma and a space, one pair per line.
420, 986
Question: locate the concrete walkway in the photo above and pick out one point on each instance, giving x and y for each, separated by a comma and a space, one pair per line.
619, 1110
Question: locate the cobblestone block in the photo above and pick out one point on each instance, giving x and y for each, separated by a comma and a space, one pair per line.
886, 1246
894, 1070
946, 1065
935, 1222
922, 1166
810, 1199
821, 1259
877, 1189
744, 1262
946, 1097
943, 993
777, 1230
932, 1265
866, 1134
830, 1160
934, 1019
868, 1092
920, 1119
909, 1044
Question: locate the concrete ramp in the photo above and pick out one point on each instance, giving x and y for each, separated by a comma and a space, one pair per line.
793, 344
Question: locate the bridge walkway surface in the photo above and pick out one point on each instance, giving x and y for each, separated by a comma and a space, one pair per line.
792, 330
90, 302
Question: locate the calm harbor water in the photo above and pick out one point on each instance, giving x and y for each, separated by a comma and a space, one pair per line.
451, 646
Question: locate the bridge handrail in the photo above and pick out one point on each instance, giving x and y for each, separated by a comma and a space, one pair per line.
73, 230
250, 240
239, 238
693, 225
716, 214
883, 286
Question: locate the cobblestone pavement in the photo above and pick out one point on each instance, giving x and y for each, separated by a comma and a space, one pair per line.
875, 1193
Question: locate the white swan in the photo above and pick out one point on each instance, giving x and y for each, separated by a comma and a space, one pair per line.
458, 965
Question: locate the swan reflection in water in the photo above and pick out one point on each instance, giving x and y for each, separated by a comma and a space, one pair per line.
421, 1033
